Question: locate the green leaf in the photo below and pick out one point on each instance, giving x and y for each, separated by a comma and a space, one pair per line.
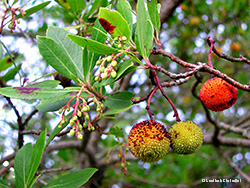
154, 15
116, 111
21, 165
113, 22
85, 63
73, 50
33, 9
115, 130
31, 93
11, 73
45, 83
124, 8
94, 7
53, 104
5, 63
57, 129
73, 179
56, 56
76, 5
36, 157
98, 34
92, 45
121, 68
120, 100
143, 36
4, 184
148, 43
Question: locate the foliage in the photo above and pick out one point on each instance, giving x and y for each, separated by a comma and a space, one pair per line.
109, 60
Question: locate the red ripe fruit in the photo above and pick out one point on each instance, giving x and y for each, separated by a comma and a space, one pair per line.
217, 94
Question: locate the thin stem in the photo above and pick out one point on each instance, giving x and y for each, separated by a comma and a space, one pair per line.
150, 113
211, 41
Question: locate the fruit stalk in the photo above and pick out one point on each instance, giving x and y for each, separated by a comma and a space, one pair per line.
211, 42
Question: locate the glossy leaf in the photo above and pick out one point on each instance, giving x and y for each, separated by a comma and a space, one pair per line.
73, 50
73, 179
121, 68
56, 56
57, 129
154, 15
116, 130
36, 157
93, 45
113, 22
33, 9
31, 93
124, 8
21, 165
120, 100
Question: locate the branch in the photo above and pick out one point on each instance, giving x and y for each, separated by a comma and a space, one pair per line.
234, 166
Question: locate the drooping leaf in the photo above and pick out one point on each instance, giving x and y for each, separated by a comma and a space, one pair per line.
121, 100
21, 165
57, 129
154, 14
56, 56
124, 8
121, 68
92, 45
76, 5
73, 179
116, 111
116, 130
143, 36
31, 93
36, 157
33, 9
113, 22
146, 44
73, 50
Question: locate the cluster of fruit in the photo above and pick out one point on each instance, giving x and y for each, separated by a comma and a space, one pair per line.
149, 140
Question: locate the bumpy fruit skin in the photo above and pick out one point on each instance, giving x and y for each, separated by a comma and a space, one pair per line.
217, 94
186, 137
149, 141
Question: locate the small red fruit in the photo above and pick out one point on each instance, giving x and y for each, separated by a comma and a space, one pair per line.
149, 141
217, 94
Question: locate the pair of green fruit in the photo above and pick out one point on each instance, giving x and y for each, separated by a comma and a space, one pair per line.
149, 140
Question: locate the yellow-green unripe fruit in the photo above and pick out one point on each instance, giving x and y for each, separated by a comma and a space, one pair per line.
149, 141
186, 137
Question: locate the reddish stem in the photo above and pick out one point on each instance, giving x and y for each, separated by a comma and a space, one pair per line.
211, 41
150, 113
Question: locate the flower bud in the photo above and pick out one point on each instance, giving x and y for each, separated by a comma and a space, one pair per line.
79, 136
98, 62
92, 128
116, 39
97, 78
114, 63
72, 132
74, 118
87, 117
124, 38
109, 58
104, 75
72, 122
85, 124
79, 114
113, 74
